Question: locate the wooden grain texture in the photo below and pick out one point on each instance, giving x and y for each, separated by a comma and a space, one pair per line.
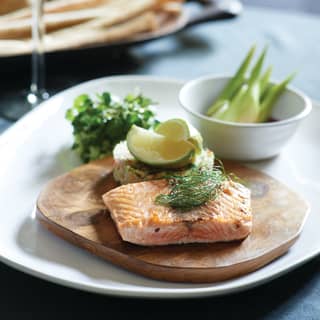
71, 207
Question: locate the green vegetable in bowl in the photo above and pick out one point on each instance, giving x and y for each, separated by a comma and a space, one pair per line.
98, 125
248, 99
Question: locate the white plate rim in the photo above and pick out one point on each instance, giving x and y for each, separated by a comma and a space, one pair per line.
41, 112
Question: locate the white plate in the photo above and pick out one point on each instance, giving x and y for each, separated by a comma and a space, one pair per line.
37, 149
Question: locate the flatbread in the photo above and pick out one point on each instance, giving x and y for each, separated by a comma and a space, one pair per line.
113, 12
145, 22
7, 6
85, 23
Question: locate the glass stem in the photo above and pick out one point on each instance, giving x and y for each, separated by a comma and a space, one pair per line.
38, 62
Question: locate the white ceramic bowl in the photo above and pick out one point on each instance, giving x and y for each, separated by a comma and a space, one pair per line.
242, 141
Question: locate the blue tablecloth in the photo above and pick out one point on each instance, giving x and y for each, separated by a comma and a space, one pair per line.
293, 39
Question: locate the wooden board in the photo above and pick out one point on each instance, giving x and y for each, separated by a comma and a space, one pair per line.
71, 207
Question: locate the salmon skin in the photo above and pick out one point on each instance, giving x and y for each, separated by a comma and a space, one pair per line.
141, 221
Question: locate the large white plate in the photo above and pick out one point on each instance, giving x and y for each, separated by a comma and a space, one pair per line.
37, 149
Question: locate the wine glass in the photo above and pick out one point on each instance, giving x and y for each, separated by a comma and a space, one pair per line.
16, 105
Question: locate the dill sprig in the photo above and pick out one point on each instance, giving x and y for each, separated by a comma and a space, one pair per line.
194, 189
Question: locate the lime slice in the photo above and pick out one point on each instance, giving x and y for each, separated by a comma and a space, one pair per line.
174, 129
179, 129
196, 139
157, 150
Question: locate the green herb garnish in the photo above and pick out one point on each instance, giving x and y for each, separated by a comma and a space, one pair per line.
194, 189
98, 125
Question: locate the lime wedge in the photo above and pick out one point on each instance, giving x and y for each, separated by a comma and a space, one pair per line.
174, 129
196, 139
157, 150
179, 129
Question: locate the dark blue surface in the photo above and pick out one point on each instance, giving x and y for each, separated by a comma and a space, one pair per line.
294, 42
4, 124
312, 6
294, 45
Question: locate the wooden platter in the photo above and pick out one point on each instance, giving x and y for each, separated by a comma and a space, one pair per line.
71, 207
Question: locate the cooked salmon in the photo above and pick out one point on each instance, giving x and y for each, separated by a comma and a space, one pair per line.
141, 221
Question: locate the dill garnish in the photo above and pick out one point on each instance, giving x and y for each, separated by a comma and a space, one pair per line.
194, 189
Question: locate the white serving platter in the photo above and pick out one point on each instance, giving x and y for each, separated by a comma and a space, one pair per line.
37, 148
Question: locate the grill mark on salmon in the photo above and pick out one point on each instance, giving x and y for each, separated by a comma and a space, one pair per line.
140, 220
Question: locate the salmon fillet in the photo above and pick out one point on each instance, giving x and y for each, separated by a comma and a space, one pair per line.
141, 221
